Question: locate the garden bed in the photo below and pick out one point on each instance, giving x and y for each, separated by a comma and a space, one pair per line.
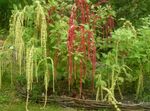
88, 104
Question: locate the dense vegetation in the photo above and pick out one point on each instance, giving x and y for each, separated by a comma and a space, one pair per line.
87, 49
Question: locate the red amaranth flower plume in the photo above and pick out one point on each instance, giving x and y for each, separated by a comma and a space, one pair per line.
92, 53
71, 37
108, 26
81, 14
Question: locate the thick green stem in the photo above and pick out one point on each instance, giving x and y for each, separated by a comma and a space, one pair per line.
27, 100
101, 93
140, 83
11, 73
97, 94
120, 93
116, 56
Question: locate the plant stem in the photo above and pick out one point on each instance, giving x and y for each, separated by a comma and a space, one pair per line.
140, 83
11, 69
97, 94
101, 93
27, 100
120, 93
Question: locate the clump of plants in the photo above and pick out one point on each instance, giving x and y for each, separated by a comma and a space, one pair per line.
125, 61
84, 22
28, 37
49, 46
81, 43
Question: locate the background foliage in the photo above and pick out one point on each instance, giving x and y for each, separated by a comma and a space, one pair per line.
37, 45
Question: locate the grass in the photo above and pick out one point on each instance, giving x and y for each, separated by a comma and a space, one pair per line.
32, 107
9, 101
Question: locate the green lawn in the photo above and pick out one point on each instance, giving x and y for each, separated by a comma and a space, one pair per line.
32, 107
9, 101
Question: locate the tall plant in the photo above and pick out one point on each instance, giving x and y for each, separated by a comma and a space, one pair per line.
28, 35
81, 42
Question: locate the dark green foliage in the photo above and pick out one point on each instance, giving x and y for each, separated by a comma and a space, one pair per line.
131, 9
6, 7
123, 58
130, 59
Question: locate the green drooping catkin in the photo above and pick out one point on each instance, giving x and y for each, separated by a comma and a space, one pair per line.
41, 26
15, 40
46, 80
16, 30
25, 50
29, 71
112, 99
27, 76
36, 70
53, 73
19, 43
43, 45
41, 23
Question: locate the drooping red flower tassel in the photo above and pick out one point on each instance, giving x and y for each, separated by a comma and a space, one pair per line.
86, 41
92, 54
71, 37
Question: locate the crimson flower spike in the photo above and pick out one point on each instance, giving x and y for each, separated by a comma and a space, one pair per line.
86, 44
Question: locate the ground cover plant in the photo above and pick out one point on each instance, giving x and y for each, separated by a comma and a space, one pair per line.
75, 48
